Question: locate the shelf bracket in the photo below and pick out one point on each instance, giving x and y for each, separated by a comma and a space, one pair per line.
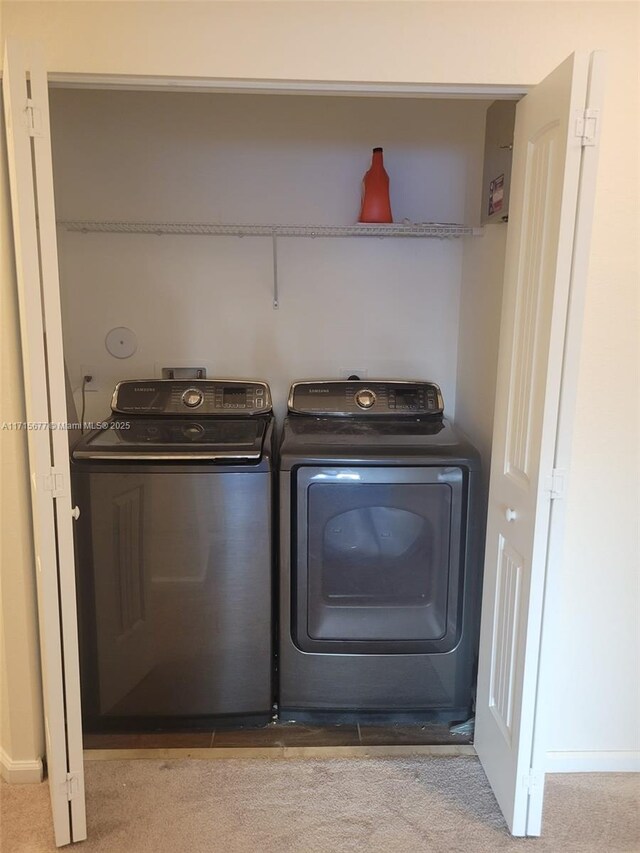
276, 300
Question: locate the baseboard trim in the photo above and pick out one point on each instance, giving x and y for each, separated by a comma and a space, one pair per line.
20, 772
620, 761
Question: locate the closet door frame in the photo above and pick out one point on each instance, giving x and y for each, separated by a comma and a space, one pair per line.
572, 333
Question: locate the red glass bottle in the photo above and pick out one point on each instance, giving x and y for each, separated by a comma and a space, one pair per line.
376, 205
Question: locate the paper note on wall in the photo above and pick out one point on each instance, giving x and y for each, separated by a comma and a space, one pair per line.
496, 195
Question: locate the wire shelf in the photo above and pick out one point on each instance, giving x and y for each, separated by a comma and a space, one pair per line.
423, 229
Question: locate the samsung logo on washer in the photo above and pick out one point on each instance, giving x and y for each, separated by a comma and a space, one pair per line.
142, 388
318, 390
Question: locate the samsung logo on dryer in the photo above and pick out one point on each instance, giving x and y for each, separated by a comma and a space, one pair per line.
318, 390
144, 388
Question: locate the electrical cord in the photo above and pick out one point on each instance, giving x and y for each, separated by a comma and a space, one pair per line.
85, 379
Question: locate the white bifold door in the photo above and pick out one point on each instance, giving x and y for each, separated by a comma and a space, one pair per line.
26, 105
551, 201
553, 176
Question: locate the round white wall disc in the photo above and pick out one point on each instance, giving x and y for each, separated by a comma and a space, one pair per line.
121, 342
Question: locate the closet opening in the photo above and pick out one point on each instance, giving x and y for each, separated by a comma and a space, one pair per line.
214, 235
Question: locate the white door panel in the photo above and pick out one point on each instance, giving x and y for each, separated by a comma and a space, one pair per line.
539, 257
31, 179
570, 370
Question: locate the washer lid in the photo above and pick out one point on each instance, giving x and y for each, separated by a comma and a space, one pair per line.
169, 439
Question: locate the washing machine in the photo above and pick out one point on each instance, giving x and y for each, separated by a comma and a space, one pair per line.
175, 555
381, 524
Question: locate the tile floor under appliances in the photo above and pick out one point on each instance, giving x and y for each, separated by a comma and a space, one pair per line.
283, 734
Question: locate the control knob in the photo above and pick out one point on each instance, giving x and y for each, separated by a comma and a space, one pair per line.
365, 398
192, 398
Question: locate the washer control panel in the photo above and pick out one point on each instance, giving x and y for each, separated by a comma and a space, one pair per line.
388, 398
181, 396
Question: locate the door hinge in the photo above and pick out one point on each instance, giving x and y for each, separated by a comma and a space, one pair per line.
73, 785
588, 127
34, 119
54, 482
556, 483
533, 780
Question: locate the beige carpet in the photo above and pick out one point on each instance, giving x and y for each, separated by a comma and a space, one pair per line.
387, 805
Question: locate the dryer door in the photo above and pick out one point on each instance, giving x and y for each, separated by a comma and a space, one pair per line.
378, 566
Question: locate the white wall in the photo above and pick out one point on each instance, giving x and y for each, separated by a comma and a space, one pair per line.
595, 692
389, 306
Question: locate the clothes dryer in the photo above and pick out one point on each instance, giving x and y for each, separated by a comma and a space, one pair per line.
380, 553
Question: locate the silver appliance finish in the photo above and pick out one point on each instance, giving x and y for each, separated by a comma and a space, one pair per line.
175, 558
381, 525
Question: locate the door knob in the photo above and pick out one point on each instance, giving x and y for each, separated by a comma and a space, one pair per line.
510, 514
75, 512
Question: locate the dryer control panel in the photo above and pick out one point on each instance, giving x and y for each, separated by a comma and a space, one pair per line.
186, 396
369, 398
